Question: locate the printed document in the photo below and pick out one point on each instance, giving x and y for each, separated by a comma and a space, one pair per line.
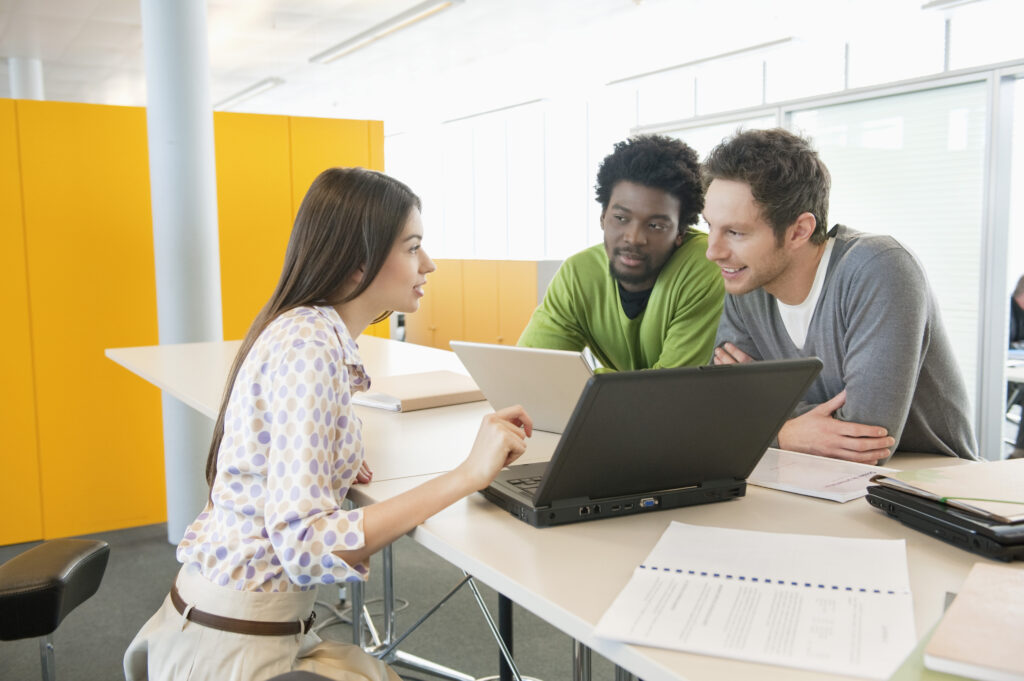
813, 476
827, 604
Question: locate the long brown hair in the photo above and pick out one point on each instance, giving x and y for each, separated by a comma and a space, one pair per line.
348, 220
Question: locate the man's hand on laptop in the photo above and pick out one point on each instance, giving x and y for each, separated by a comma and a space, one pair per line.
817, 432
727, 353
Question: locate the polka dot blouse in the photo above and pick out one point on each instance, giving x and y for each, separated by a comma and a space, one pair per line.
292, 446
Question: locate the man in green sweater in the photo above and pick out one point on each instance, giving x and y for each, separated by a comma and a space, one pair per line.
647, 298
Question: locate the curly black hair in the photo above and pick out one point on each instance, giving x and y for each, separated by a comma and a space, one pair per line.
659, 162
785, 174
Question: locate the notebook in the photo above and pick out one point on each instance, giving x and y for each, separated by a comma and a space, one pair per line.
824, 604
967, 531
979, 636
547, 383
409, 392
640, 441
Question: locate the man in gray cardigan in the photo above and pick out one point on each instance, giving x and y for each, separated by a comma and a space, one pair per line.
860, 302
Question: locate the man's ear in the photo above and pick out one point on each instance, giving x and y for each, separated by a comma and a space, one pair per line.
800, 231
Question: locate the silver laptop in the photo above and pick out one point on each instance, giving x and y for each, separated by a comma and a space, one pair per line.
547, 383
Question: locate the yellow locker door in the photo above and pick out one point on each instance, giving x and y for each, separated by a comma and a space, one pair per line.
480, 300
254, 212
20, 502
322, 143
447, 287
517, 298
89, 243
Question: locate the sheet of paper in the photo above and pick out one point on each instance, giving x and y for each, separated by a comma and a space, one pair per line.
377, 400
825, 604
813, 476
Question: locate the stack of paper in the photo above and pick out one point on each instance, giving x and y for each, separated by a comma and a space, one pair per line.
993, 489
825, 604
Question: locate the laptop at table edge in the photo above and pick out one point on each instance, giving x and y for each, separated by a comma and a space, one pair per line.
953, 526
538, 513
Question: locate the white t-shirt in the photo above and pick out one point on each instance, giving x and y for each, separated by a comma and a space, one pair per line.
797, 318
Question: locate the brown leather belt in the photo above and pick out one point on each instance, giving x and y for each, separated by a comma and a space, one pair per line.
253, 628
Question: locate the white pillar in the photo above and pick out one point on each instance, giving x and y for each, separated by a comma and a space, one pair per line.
26, 75
183, 188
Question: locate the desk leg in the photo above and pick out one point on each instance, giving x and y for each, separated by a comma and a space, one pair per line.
356, 599
580, 661
389, 592
505, 631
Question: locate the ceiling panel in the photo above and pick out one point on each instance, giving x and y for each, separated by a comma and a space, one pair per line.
477, 55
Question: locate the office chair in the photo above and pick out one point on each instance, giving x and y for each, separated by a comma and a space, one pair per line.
39, 587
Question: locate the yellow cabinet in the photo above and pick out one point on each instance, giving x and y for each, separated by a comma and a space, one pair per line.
84, 451
486, 301
19, 486
439, 318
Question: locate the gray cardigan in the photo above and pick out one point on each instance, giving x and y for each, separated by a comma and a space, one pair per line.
879, 334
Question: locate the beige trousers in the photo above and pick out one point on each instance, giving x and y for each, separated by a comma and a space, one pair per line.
171, 648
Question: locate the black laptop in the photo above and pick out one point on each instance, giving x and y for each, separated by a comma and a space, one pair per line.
970, 532
640, 441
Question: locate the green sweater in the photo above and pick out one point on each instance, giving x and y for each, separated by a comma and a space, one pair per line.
582, 309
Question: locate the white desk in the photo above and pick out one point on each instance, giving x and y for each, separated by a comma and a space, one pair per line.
1015, 371
569, 575
397, 445
566, 575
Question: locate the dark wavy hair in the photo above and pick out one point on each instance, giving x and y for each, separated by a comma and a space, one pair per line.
659, 162
784, 172
349, 219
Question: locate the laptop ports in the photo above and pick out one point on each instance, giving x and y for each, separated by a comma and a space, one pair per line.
584, 510
648, 502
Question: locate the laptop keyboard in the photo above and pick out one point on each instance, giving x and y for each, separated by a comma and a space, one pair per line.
528, 485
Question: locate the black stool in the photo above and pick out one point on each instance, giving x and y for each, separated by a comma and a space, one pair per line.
39, 587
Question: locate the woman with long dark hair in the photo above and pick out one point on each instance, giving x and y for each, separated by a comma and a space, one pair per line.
287, 446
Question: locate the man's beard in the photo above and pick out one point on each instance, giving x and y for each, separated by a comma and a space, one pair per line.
646, 275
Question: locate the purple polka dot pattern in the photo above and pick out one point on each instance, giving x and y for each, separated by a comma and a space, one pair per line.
292, 445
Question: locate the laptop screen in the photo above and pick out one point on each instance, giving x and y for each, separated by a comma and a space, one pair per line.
638, 431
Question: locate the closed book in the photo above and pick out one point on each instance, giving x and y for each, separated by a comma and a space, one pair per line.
409, 392
981, 636
990, 489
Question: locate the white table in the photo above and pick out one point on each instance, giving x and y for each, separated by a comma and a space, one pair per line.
569, 575
1015, 371
566, 575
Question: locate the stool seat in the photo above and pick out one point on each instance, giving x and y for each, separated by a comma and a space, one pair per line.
39, 587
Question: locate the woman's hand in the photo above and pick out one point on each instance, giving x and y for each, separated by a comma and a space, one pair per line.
364, 474
500, 441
